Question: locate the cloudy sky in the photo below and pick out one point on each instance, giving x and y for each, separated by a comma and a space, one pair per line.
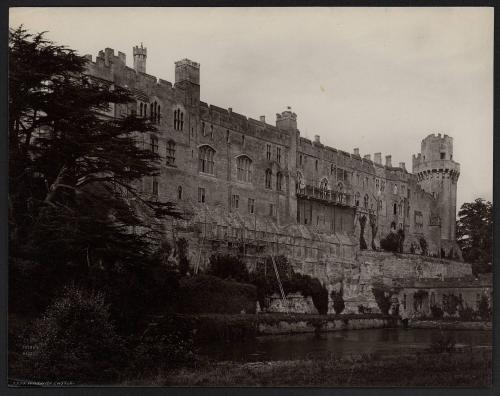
380, 79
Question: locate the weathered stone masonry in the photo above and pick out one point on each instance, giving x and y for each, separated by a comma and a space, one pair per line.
257, 188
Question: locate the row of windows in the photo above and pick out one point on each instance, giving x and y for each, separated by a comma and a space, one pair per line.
269, 153
235, 203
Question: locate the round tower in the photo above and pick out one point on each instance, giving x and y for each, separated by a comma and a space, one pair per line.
438, 174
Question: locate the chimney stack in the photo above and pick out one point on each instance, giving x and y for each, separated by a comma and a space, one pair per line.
402, 165
229, 110
388, 159
263, 119
356, 151
377, 158
368, 157
316, 139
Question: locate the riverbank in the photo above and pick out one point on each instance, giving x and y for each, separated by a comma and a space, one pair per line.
449, 325
466, 368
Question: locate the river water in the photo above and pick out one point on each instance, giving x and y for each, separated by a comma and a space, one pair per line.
340, 344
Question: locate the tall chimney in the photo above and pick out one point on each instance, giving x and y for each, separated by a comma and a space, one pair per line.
388, 159
402, 165
140, 55
377, 158
356, 151
316, 139
263, 119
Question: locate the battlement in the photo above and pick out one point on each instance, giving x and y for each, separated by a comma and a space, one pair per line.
187, 62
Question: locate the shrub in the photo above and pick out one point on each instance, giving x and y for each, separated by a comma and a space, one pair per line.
164, 345
390, 243
76, 340
436, 312
338, 301
210, 294
466, 314
423, 245
182, 245
225, 266
383, 300
451, 304
484, 308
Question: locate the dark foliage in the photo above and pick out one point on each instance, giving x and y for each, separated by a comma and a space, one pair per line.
423, 246
76, 341
264, 278
451, 304
338, 301
165, 344
418, 298
382, 299
475, 234
443, 342
362, 241
390, 243
466, 314
182, 248
210, 294
228, 267
436, 312
484, 308
73, 171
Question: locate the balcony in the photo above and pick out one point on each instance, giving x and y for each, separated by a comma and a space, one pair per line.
325, 196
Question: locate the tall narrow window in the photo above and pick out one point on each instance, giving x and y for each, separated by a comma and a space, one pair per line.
278, 154
235, 201
182, 121
155, 187
141, 108
300, 160
170, 152
158, 115
268, 178
178, 120
206, 159
244, 169
279, 181
365, 201
227, 136
268, 151
251, 205
357, 197
201, 194
271, 209
316, 165
154, 144
395, 209
203, 128
179, 192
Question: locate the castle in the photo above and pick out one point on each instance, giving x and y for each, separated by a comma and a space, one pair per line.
255, 188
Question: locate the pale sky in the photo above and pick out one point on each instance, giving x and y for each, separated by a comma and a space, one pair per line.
380, 79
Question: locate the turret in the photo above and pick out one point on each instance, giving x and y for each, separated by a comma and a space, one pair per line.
287, 120
187, 77
438, 174
140, 54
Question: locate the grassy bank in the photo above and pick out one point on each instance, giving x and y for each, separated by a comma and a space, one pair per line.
470, 368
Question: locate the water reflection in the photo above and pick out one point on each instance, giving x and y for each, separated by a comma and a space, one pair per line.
337, 344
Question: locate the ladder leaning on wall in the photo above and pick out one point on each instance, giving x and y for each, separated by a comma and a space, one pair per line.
276, 272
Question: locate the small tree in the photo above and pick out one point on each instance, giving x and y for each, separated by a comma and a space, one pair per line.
423, 246
484, 308
382, 298
338, 301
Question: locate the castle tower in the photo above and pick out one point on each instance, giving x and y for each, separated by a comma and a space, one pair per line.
438, 175
187, 77
287, 122
140, 54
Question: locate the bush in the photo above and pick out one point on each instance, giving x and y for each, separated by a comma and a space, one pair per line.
76, 341
338, 301
210, 294
164, 345
484, 308
423, 246
390, 243
451, 304
466, 314
225, 266
182, 246
383, 300
436, 312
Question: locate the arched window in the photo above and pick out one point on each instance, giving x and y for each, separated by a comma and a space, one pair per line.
400, 208
357, 197
244, 169
170, 152
206, 159
153, 143
395, 189
366, 201
279, 181
178, 120
395, 211
269, 175
179, 192
323, 185
141, 108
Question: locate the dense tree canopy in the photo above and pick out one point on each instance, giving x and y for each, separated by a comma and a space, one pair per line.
475, 234
73, 170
